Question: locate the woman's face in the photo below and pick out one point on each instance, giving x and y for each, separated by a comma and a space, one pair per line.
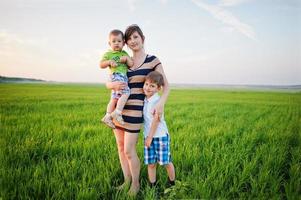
135, 42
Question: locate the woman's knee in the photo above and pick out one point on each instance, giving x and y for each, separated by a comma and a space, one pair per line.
129, 153
130, 145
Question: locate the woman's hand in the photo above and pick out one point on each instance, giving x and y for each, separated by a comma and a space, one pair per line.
116, 85
159, 109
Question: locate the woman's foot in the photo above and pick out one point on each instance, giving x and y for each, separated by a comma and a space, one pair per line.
124, 186
133, 190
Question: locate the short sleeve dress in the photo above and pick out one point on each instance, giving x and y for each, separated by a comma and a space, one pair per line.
133, 109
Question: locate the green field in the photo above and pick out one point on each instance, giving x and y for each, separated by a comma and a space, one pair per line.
225, 144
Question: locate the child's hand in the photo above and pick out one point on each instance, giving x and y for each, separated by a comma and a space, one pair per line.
123, 59
113, 63
148, 141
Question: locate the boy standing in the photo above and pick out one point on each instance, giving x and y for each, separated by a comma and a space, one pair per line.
118, 61
156, 136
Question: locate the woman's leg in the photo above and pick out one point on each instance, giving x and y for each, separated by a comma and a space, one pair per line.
119, 135
130, 141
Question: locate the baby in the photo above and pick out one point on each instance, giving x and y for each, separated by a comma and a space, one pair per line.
118, 61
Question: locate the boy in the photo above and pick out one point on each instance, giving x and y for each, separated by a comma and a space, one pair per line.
156, 136
118, 61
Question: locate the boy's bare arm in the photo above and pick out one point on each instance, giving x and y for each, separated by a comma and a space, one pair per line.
107, 63
126, 59
152, 131
129, 62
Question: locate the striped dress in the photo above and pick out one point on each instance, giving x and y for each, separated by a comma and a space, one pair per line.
133, 109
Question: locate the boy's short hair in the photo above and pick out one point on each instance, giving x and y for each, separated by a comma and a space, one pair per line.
155, 77
116, 32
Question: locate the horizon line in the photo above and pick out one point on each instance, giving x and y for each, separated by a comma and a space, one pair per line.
172, 84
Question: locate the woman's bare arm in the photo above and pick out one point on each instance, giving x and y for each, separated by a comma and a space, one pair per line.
165, 92
115, 85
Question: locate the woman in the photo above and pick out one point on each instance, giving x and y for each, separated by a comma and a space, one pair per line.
127, 135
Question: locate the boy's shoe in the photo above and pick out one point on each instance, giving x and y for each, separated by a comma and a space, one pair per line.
170, 183
153, 185
108, 121
155, 188
118, 117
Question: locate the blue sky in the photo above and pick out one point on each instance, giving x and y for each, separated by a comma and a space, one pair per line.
197, 41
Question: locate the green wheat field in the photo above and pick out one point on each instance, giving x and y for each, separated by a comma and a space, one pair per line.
226, 144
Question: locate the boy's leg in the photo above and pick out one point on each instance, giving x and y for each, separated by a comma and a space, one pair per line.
150, 161
165, 158
121, 102
111, 105
151, 169
107, 118
171, 173
119, 107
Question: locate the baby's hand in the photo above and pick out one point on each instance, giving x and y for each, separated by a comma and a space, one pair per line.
148, 142
123, 59
113, 63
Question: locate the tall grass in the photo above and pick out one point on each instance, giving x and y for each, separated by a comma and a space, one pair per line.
225, 144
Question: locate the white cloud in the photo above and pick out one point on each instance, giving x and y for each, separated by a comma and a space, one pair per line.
227, 18
163, 1
132, 4
231, 2
227, 29
89, 58
10, 39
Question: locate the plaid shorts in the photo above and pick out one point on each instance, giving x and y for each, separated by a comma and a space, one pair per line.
158, 152
116, 94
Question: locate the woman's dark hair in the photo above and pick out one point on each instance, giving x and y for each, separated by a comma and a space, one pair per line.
130, 30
